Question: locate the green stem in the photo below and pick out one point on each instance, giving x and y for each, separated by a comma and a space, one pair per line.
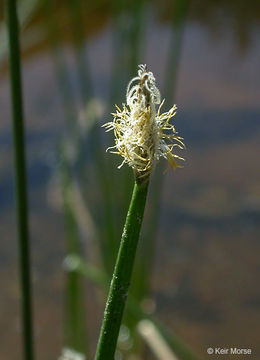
122, 275
99, 278
20, 175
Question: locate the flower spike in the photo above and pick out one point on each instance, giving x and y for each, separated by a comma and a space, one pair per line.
142, 134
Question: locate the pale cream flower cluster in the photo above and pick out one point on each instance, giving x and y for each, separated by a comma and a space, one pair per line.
142, 134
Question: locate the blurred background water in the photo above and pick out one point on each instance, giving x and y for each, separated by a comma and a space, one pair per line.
207, 264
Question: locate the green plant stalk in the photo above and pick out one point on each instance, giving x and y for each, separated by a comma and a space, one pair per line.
99, 278
20, 175
122, 274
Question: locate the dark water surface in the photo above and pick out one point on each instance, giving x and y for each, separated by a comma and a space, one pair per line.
206, 279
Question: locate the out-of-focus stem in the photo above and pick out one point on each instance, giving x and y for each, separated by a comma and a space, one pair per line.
20, 175
74, 324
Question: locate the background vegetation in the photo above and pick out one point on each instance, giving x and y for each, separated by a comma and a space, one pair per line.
198, 263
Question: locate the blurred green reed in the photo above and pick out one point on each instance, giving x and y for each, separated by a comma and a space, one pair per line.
74, 316
87, 170
20, 175
75, 331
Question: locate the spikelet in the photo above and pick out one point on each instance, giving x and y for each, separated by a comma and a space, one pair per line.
142, 134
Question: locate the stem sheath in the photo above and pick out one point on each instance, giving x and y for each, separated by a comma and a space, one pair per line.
122, 275
20, 175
